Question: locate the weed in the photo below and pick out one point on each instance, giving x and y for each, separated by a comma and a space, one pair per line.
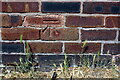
26, 65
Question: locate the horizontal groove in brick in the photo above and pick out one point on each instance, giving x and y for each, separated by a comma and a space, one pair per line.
60, 34
76, 48
111, 48
101, 7
15, 33
62, 7
42, 47
8, 21
93, 35
112, 22
44, 21
84, 21
16, 7
12, 47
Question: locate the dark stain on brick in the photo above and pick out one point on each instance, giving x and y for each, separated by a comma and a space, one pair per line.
101, 7
115, 9
14, 19
12, 47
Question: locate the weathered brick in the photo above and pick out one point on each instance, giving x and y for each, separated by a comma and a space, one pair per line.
111, 48
82, 21
10, 59
101, 7
12, 47
20, 7
15, 33
7, 20
98, 35
64, 7
112, 22
76, 48
44, 21
15, 20
40, 47
60, 34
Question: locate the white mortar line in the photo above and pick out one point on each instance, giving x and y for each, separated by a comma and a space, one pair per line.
64, 14
102, 46
79, 34
81, 8
104, 20
63, 48
117, 35
111, 42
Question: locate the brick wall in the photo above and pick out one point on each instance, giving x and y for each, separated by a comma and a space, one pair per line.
53, 27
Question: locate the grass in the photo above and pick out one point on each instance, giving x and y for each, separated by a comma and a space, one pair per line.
25, 69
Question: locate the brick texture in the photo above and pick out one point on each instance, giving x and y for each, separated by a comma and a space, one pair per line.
101, 7
15, 33
8, 21
44, 21
113, 22
60, 34
15, 7
76, 48
5, 20
39, 47
12, 47
98, 35
82, 21
64, 7
111, 48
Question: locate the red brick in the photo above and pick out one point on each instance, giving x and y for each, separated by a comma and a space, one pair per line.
20, 7
98, 35
101, 7
60, 34
7, 20
82, 21
111, 48
76, 48
44, 21
112, 22
14, 33
39, 47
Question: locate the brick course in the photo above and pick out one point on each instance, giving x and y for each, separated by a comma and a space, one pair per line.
39, 47
82, 21
60, 34
76, 48
101, 7
15, 7
94, 35
8, 21
112, 48
15, 33
44, 21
